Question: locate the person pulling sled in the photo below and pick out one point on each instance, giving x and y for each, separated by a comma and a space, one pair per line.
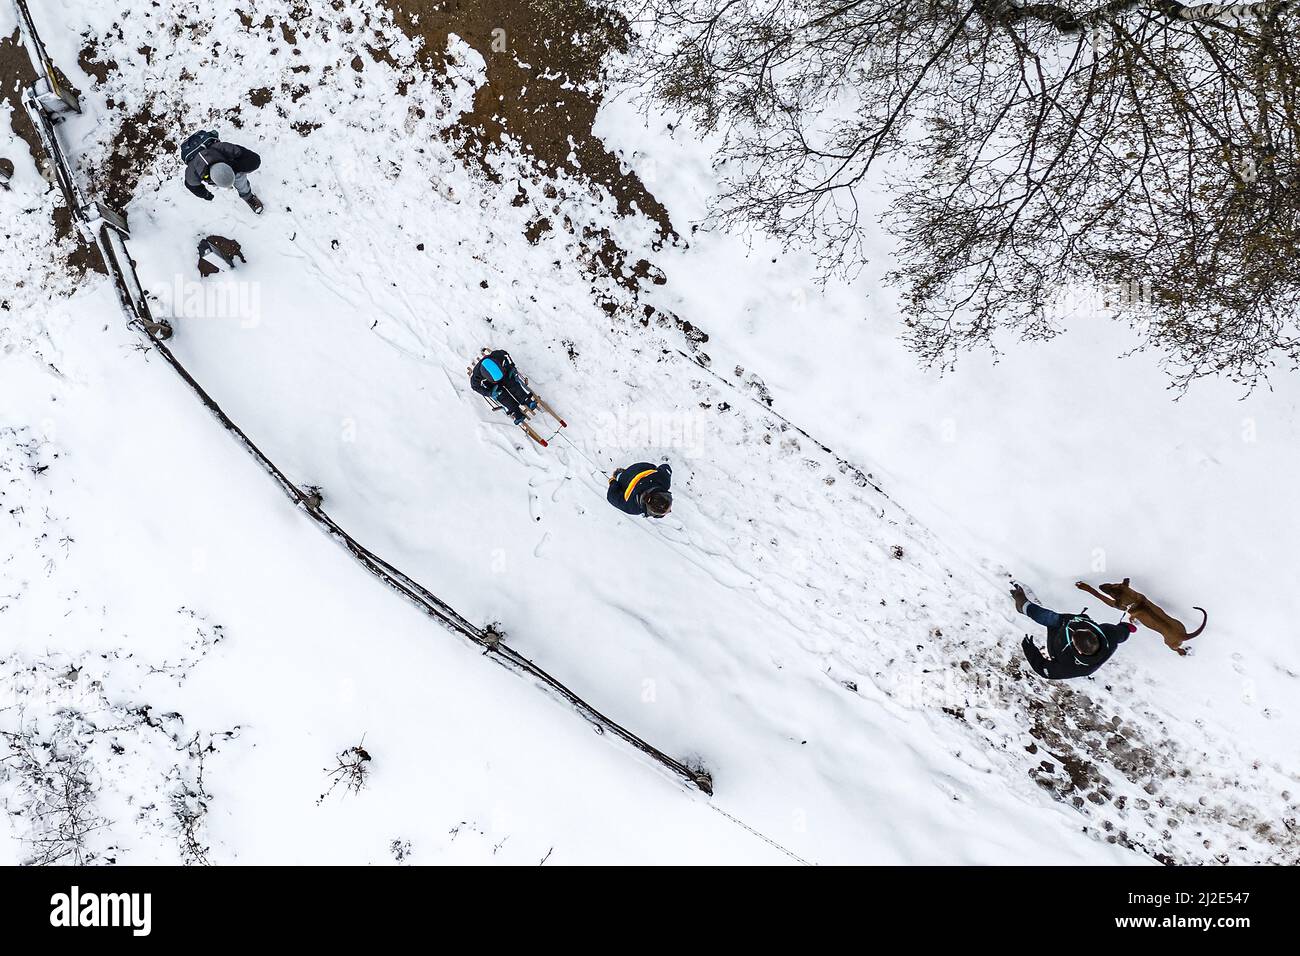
496, 377
642, 489
210, 162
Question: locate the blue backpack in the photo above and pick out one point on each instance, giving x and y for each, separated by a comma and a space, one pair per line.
196, 142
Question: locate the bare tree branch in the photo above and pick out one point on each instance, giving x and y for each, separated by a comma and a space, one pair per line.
1140, 151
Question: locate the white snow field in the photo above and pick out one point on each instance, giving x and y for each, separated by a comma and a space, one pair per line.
845, 662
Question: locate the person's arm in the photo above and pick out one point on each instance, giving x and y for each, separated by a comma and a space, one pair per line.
1118, 633
1035, 657
1053, 669
194, 184
1067, 669
229, 153
615, 494
241, 158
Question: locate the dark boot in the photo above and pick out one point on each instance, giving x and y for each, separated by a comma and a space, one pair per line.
254, 203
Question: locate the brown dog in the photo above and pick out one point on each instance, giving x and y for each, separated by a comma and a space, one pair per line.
1140, 609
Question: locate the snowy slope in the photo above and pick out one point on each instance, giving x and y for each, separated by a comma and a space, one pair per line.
167, 516
847, 675
1064, 460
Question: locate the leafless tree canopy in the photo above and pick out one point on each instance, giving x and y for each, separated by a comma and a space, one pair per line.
1028, 149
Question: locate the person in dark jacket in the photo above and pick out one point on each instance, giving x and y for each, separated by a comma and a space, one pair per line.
1076, 644
223, 165
495, 377
642, 489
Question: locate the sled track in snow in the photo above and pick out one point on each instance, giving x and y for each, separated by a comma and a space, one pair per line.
108, 232
861, 477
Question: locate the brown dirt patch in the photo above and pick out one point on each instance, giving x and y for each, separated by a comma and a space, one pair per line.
138, 140
16, 74
91, 64
544, 68
544, 86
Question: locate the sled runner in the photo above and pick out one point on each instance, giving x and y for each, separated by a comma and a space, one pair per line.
498, 380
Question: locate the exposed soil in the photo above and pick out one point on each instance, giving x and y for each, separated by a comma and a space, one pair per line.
543, 85
91, 64
16, 75
138, 139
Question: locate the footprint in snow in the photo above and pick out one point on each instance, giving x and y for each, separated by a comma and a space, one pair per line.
537, 486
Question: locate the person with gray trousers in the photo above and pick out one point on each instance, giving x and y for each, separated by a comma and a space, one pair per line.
223, 165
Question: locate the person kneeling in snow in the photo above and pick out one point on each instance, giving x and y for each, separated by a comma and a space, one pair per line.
210, 162
642, 489
1076, 644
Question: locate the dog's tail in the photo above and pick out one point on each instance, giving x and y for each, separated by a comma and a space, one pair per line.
1205, 619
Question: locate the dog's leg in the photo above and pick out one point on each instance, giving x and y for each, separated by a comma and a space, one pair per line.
1085, 586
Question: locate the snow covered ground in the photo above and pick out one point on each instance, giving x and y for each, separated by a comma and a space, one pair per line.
843, 661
